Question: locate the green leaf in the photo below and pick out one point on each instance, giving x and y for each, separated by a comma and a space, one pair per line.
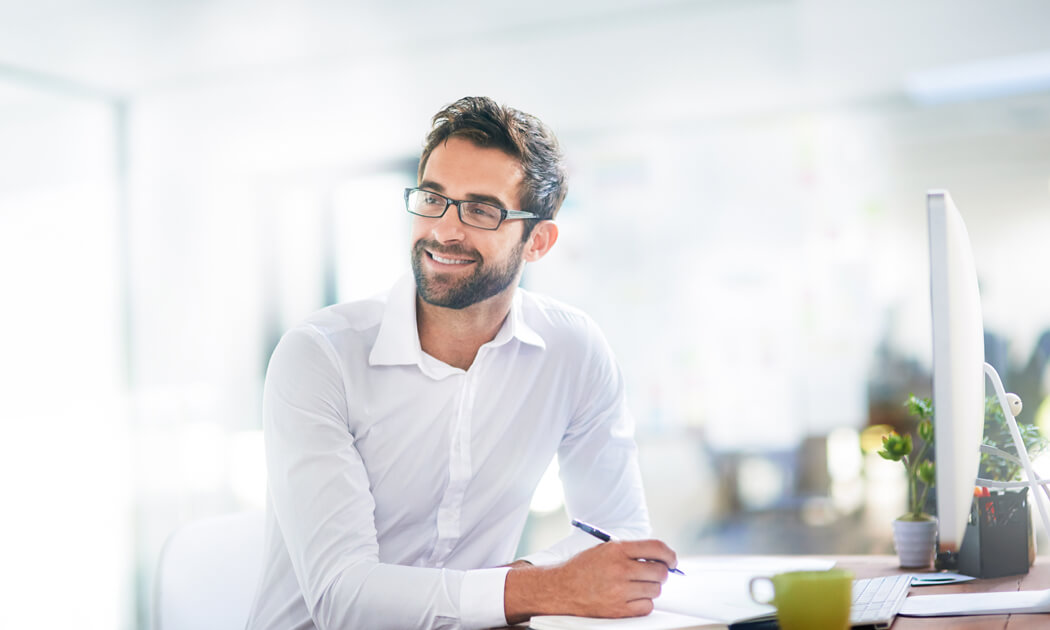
926, 431
895, 446
922, 408
926, 473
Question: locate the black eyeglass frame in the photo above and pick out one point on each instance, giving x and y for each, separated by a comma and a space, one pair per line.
504, 213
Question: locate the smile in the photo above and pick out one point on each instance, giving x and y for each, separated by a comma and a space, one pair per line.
449, 261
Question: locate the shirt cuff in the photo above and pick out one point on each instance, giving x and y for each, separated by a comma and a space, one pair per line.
481, 598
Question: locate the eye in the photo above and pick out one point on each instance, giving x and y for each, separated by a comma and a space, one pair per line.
483, 210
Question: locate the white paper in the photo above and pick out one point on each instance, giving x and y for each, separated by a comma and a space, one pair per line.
1001, 603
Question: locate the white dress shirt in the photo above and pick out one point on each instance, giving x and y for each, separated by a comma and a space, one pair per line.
398, 484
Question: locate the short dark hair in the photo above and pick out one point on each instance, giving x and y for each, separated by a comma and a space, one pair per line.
486, 123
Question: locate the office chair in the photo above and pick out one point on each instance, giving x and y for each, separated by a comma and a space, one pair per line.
207, 573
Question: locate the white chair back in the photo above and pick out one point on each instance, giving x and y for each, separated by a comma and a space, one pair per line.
208, 572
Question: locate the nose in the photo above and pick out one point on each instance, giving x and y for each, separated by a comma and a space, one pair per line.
447, 227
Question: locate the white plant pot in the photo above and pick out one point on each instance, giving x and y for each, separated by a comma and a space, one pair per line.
915, 541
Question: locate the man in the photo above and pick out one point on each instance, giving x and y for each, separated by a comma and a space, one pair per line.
405, 435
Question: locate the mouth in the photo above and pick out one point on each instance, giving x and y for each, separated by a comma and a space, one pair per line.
448, 260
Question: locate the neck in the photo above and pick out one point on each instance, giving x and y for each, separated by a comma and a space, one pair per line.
455, 335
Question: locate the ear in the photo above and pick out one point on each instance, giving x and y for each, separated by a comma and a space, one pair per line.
542, 239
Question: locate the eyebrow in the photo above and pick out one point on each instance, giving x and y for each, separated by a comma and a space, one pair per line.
490, 199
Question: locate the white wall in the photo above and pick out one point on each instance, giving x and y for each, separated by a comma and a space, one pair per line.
65, 451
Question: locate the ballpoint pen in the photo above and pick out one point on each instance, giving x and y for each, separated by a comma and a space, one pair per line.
607, 537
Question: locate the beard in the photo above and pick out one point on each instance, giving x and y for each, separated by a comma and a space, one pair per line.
444, 289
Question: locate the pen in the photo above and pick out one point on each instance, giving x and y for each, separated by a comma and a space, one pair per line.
607, 537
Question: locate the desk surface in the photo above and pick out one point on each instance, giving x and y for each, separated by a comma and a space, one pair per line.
1037, 578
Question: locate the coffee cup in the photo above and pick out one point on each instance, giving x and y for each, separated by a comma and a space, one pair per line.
809, 600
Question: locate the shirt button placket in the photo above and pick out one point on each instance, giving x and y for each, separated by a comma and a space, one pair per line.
459, 472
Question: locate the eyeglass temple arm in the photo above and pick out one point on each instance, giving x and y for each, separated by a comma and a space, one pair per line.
521, 214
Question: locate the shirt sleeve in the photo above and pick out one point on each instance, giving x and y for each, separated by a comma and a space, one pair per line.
320, 495
598, 459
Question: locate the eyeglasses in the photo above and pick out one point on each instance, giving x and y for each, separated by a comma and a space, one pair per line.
477, 214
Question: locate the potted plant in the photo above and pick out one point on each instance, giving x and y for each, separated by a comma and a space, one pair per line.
915, 532
997, 435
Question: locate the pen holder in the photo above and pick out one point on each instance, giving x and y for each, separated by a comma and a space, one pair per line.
998, 536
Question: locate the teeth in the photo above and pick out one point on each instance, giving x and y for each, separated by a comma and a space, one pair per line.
449, 261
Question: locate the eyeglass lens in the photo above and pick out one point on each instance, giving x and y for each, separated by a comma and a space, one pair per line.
474, 213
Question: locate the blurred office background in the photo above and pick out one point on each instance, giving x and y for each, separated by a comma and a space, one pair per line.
182, 181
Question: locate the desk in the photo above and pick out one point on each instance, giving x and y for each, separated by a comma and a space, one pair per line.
1038, 578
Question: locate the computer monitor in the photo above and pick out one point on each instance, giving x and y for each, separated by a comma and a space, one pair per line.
958, 367
958, 383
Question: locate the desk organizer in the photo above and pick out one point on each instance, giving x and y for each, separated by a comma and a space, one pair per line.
998, 533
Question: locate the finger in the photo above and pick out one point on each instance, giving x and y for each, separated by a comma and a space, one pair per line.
650, 550
651, 571
639, 607
644, 590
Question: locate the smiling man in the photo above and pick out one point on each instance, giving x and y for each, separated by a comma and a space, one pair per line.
406, 434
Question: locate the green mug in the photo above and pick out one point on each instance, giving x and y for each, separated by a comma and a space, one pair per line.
810, 600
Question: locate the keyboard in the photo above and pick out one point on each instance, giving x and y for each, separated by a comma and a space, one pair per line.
876, 601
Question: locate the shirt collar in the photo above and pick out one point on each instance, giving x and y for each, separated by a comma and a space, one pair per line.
398, 340
516, 326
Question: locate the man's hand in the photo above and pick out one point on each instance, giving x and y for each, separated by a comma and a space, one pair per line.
610, 580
